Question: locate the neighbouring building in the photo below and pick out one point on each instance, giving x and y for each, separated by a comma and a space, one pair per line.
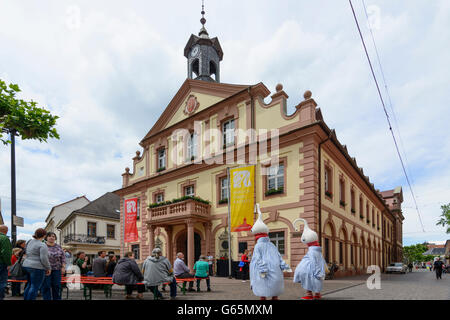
447, 252
93, 227
60, 212
315, 177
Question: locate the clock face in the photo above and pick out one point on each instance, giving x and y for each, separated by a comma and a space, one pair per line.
194, 51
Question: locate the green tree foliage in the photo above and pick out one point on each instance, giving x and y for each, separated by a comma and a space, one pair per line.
445, 217
30, 121
414, 253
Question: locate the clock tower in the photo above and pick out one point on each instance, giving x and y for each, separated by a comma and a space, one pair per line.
203, 55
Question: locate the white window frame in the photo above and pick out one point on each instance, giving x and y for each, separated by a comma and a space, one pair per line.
224, 188
192, 146
161, 158
157, 200
275, 177
228, 133
278, 239
189, 188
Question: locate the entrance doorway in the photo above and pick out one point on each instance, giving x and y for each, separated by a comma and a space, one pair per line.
182, 245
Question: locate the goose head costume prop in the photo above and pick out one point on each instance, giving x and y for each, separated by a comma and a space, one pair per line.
266, 265
309, 236
310, 272
259, 229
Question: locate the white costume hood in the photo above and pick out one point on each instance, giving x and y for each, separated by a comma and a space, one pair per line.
259, 226
308, 235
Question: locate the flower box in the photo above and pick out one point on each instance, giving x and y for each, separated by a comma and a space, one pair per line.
161, 169
361, 216
223, 201
342, 203
353, 210
329, 194
274, 191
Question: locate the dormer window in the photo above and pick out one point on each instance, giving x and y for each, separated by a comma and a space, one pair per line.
228, 133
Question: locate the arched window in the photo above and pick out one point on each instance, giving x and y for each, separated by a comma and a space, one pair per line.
196, 67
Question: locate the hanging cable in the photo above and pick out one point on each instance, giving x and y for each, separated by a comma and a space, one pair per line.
387, 116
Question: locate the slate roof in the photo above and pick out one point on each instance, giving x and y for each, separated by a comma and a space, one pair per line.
435, 252
107, 206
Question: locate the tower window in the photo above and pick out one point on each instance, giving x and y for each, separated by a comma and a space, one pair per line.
196, 67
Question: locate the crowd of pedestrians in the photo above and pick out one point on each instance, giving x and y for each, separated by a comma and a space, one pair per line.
42, 263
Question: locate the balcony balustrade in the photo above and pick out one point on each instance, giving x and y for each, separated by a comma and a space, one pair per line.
183, 209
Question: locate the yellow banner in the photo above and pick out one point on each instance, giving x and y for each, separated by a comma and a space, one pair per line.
242, 198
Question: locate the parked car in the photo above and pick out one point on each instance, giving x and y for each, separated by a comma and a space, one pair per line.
397, 267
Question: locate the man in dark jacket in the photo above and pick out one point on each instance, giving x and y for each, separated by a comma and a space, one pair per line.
437, 266
5, 259
127, 273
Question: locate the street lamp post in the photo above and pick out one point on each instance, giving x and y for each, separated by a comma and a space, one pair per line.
13, 186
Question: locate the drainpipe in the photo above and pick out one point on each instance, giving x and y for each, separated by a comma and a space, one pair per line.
320, 188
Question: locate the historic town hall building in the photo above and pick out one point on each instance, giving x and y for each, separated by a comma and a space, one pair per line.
315, 177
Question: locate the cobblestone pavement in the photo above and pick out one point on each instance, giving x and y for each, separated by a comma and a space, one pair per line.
419, 285
222, 289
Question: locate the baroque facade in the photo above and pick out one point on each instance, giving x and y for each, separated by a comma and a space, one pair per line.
302, 170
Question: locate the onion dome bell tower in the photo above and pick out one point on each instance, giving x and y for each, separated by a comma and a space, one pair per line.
203, 55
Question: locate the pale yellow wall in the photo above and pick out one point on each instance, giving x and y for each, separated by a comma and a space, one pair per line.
270, 118
204, 100
139, 173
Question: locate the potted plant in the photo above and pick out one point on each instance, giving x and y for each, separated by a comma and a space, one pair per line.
329, 194
274, 191
161, 169
222, 201
353, 210
342, 203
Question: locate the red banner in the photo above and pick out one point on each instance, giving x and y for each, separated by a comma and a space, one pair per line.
131, 232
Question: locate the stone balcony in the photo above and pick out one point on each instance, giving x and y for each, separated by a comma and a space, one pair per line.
187, 209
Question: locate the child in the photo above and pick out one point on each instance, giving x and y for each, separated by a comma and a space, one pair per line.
310, 272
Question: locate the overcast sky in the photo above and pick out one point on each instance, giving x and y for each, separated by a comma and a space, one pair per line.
108, 69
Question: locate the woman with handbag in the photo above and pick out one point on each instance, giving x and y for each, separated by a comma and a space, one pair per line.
16, 275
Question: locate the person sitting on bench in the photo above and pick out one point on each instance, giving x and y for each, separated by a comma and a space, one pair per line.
182, 271
201, 269
158, 270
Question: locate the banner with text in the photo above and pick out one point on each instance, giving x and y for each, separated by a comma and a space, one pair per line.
131, 232
242, 198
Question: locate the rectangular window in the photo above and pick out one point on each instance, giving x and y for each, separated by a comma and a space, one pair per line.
192, 147
159, 198
92, 229
275, 178
135, 250
189, 191
342, 191
352, 201
327, 250
242, 247
162, 158
228, 133
328, 182
224, 188
277, 238
341, 253
110, 231
361, 213
138, 209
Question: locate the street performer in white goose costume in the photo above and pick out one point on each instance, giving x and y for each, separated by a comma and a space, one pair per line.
267, 265
310, 272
